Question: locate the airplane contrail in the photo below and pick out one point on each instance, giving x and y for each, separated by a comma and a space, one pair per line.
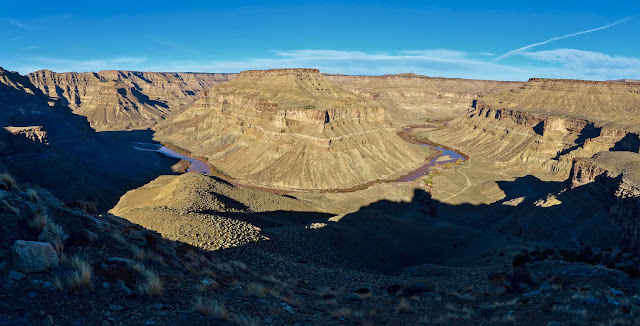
510, 53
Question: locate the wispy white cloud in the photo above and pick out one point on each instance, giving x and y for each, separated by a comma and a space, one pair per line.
586, 64
18, 23
530, 46
29, 48
559, 63
438, 62
63, 65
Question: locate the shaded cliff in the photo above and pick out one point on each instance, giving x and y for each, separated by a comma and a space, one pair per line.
292, 129
614, 176
43, 142
119, 100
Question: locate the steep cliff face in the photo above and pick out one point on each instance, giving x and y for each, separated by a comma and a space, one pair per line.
616, 104
548, 123
119, 100
615, 176
293, 129
43, 142
409, 97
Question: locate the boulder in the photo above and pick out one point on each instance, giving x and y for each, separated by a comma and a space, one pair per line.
32, 256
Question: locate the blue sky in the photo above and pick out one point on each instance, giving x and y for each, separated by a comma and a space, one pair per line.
503, 40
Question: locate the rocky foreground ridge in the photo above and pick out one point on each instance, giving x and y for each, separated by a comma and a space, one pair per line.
292, 129
119, 100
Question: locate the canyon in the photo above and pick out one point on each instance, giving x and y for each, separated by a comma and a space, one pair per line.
316, 201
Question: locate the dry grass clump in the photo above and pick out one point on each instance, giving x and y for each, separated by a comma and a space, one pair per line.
453, 312
8, 182
14, 210
57, 236
39, 220
32, 194
259, 290
241, 320
57, 283
211, 308
328, 293
239, 265
404, 306
346, 312
506, 319
570, 310
224, 268
509, 303
81, 277
153, 285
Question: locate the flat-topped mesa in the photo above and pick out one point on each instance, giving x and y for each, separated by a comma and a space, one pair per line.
284, 100
408, 98
280, 72
579, 82
292, 129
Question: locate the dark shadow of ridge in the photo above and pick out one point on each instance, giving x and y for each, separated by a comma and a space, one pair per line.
387, 236
77, 163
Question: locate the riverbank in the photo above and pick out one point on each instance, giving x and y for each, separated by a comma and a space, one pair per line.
201, 164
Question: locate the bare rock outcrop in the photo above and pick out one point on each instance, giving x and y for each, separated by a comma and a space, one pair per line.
548, 123
292, 129
615, 175
118, 100
33, 256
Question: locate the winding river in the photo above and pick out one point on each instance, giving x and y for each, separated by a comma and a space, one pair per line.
444, 156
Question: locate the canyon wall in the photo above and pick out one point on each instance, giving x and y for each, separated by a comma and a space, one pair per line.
616, 177
410, 98
42, 142
545, 124
120, 100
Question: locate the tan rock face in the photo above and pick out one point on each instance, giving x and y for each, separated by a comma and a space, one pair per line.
616, 176
34, 133
613, 103
294, 129
118, 100
409, 97
548, 123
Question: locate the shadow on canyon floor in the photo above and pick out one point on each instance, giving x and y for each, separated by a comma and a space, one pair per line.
387, 236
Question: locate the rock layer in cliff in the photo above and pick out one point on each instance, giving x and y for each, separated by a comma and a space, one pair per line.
409, 97
119, 100
43, 142
292, 129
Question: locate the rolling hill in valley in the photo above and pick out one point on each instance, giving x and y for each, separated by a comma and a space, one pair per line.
292, 129
120, 100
